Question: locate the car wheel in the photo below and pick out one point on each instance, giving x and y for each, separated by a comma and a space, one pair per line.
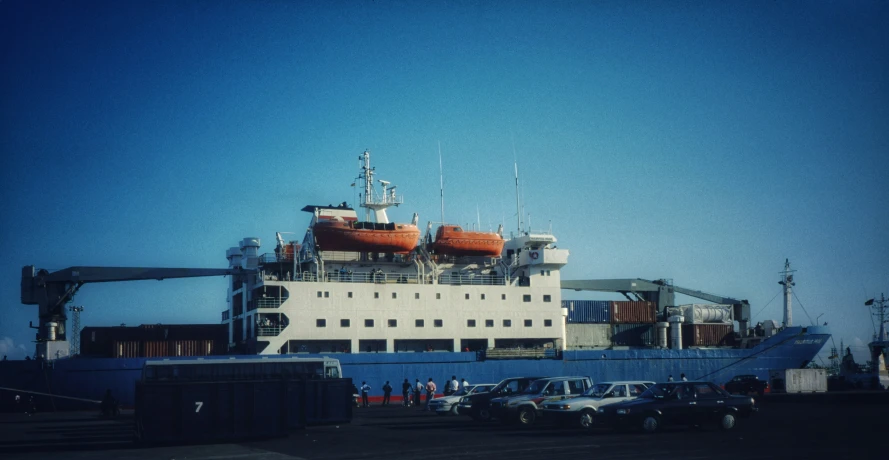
454, 410
651, 423
527, 416
483, 415
587, 418
727, 421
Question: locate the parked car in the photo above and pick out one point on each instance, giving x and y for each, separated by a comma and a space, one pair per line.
746, 384
581, 411
448, 404
678, 403
478, 406
525, 407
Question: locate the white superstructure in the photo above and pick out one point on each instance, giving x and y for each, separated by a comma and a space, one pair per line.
334, 302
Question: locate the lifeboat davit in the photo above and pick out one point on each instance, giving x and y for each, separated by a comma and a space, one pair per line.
452, 240
342, 235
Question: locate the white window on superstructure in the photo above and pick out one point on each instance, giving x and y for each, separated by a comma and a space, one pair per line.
547, 298
507, 323
417, 295
528, 323
489, 323
376, 295
467, 296
483, 297
419, 323
394, 295
350, 294
326, 294
368, 323
437, 323
320, 322
393, 323
345, 323
526, 298
547, 323
470, 323
437, 296
319, 294
502, 296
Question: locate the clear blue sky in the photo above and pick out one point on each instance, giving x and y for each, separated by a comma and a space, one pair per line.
700, 141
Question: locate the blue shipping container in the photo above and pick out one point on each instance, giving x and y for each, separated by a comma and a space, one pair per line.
588, 311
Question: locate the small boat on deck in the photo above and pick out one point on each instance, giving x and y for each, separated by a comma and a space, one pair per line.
452, 240
344, 235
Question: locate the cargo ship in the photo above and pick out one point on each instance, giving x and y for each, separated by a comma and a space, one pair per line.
389, 311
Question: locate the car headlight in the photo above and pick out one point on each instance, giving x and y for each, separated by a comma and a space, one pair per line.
601, 410
752, 402
623, 411
564, 407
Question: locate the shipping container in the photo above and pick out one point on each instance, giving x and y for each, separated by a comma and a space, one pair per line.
154, 341
798, 381
708, 335
580, 336
192, 412
588, 311
633, 334
633, 312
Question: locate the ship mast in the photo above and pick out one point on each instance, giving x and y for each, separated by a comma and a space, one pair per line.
787, 282
879, 307
371, 202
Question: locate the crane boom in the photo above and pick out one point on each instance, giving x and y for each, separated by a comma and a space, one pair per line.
52, 290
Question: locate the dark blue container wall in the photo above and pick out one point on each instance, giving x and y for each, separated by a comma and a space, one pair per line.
632, 334
588, 311
210, 411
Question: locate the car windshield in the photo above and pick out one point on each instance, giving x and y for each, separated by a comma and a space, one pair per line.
658, 391
463, 391
536, 387
598, 390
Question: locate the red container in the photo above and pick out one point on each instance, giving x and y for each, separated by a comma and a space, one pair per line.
708, 335
633, 312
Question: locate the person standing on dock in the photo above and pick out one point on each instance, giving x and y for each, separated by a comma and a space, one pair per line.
364, 389
463, 384
430, 391
406, 393
670, 378
387, 391
683, 377
418, 389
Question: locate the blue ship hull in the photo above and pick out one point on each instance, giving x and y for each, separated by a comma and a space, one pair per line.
87, 378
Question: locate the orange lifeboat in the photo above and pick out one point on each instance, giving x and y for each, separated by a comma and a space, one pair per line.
340, 235
452, 240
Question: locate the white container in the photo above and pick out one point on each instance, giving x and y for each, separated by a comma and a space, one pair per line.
584, 336
706, 313
798, 381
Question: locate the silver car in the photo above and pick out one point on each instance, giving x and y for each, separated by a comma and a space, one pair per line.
448, 404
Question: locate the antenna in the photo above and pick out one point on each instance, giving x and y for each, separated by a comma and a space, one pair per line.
518, 207
441, 182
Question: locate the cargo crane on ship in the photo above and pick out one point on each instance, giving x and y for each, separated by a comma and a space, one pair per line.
51, 291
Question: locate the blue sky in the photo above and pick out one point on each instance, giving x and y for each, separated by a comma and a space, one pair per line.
699, 141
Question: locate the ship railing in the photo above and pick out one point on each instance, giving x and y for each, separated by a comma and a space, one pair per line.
269, 331
470, 279
519, 353
273, 257
265, 302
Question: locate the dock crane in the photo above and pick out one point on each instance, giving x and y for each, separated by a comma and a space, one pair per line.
52, 290
661, 292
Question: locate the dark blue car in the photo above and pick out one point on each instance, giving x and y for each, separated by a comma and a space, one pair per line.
679, 403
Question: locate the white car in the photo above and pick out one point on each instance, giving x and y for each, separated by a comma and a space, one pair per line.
448, 404
580, 411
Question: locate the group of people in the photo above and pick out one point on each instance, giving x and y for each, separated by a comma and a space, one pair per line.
412, 393
681, 377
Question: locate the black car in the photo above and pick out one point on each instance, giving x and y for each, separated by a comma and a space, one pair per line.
746, 384
478, 406
678, 403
